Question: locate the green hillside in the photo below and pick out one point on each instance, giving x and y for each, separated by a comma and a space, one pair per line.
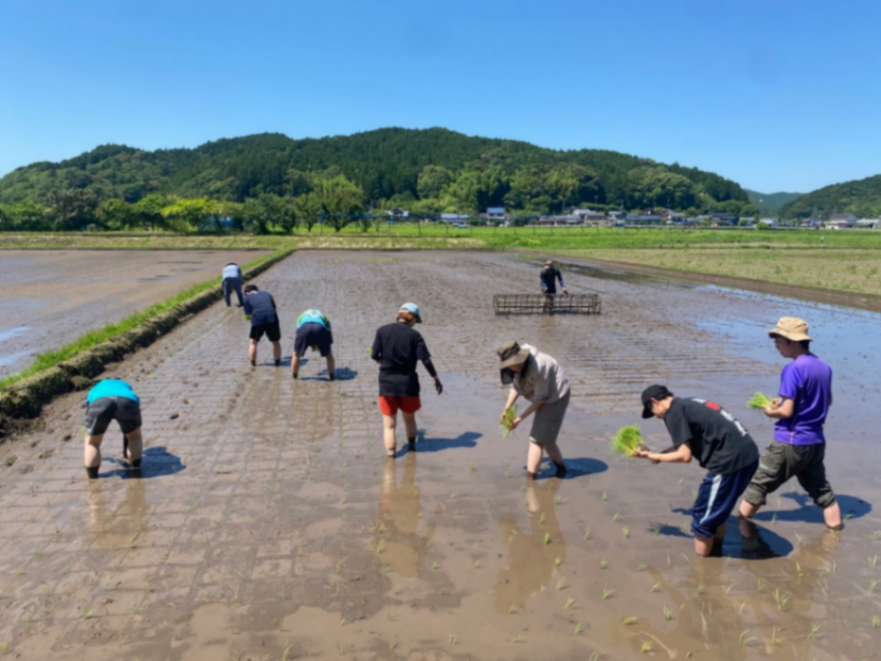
770, 204
860, 197
387, 164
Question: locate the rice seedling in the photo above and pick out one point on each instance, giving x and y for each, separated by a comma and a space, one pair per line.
782, 599
626, 532
872, 585
561, 584
512, 609
558, 561
570, 602
594, 656
579, 628
604, 497
616, 516
746, 640
775, 638
876, 621
655, 588
641, 566
630, 621
627, 441
453, 639
508, 421
587, 534
604, 564
607, 594
815, 632
872, 561
668, 614
541, 519
547, 539
435, 566
647, 647
759, 401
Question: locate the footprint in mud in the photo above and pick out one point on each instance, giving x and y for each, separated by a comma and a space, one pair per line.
24, 470
174, 416
66, 437
45, 454
10, 461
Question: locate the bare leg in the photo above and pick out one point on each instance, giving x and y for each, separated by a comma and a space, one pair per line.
331, 369
388, 434
533, 459
748, 510
295, 365
703, 546
135, 447
252, 352
832, 516
410, 428
92, 454
276, 353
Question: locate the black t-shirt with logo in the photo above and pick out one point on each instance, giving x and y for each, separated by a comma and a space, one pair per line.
717, 439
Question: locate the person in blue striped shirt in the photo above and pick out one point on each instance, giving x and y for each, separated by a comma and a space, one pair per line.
112, 399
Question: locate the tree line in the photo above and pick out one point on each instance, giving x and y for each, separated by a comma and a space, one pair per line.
270, 181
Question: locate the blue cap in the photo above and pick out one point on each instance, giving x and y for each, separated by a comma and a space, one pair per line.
413, 309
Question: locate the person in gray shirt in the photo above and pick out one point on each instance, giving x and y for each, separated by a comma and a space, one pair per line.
538, 378
232, 281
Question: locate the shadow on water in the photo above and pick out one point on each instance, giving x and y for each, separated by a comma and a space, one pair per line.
345, 374
808, 512
425, 443
743, 539
157, 462
577, 467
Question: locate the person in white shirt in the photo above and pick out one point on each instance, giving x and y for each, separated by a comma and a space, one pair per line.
232, 281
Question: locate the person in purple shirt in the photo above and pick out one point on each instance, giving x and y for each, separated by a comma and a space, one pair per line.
799, 445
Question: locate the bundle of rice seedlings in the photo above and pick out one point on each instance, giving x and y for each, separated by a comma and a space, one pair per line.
759, 401
508, 421
627, 441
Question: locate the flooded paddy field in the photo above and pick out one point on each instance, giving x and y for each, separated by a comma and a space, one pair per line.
49, 298
268, 523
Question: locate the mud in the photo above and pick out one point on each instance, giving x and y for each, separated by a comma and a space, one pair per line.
267, 523
48, 299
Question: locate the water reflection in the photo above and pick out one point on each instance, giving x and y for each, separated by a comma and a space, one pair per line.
112, 515
534, 553
399, 543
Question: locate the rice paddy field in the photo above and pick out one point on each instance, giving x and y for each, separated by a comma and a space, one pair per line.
268, 524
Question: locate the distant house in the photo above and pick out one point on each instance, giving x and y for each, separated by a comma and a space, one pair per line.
868, 223
724, 219
840, 221
558, 221
768, 222
398, 213
644, 219
455, 218
496, 214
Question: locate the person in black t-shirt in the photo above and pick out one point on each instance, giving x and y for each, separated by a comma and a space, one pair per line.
397, 348
260, 309
548, 278
721, 444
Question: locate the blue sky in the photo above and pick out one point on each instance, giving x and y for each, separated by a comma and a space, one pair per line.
777, 94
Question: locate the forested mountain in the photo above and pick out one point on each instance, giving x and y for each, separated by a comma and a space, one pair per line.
426, 171
770, 204
860, 197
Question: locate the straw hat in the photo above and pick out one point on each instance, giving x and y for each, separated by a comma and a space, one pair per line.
791, 328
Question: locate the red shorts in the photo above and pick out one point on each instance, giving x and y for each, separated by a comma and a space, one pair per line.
390, 405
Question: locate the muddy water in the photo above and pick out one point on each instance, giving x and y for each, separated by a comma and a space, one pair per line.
49, 298
269, 525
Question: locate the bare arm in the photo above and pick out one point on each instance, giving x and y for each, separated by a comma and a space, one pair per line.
780, 409
681, 455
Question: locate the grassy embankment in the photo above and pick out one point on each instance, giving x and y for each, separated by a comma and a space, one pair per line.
48, 360
848, 261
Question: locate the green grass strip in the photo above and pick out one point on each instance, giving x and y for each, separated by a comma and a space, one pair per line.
90, 340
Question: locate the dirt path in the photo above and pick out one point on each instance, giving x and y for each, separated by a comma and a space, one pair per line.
49, 298
268, 524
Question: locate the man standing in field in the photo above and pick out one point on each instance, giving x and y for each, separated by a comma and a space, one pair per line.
313, 331
548, 278
260, 309
540, 379
112, 399
721, 444
799, 445
232, 281
397, 348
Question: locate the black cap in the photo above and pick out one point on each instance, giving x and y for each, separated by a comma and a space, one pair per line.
656, 392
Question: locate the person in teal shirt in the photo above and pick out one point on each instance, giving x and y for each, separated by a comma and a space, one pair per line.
112, 399
313, 331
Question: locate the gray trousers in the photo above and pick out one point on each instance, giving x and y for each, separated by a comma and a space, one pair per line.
230, 285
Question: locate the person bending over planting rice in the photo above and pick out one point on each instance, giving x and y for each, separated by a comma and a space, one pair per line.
260, 309
112, 399
721, 444
540, 379
398, 347
313, 330
799, 445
